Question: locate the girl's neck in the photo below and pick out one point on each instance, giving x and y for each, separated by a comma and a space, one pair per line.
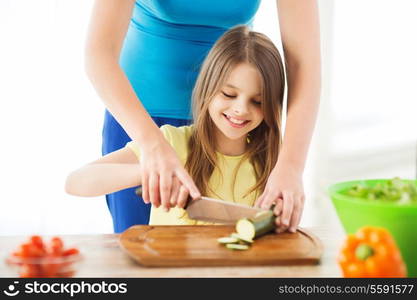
230, 147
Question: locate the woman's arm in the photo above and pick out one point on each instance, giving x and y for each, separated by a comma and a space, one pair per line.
300, 33
108, 26
160, 165
111, 173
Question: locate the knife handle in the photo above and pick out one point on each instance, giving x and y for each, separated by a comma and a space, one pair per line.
138, 192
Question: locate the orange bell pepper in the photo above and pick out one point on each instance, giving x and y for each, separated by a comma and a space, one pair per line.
371, 252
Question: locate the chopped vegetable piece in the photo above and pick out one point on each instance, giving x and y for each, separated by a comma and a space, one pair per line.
227, 240
38, 258
392, 190
237, 236
237, 246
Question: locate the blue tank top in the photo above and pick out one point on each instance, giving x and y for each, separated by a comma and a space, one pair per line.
167, 41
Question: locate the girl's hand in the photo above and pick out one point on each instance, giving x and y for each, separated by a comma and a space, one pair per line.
284, 188
179, 194
164, 180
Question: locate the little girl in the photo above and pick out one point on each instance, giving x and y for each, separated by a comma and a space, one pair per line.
234, 142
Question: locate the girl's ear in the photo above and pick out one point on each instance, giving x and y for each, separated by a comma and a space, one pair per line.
121, 156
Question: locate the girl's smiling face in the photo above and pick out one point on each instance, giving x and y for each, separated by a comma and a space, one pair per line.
236, 109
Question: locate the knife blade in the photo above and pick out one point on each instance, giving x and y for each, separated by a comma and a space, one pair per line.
215, 210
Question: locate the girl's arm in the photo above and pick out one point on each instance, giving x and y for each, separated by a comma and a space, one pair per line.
161, 166
299, 25
111, 173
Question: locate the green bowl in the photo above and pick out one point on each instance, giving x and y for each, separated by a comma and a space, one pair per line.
399, 220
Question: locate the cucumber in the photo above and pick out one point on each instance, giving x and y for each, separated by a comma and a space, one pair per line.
251, 228
248, 229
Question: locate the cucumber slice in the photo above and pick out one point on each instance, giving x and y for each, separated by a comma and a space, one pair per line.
237, 246
240, 238
227, 240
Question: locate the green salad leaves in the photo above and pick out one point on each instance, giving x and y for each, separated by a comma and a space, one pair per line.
393, 190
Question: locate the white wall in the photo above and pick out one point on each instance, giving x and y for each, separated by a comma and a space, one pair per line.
371, 114
51, 117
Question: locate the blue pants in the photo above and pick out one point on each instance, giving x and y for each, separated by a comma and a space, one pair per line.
125, 206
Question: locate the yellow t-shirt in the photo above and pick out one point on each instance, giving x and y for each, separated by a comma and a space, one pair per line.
222, 185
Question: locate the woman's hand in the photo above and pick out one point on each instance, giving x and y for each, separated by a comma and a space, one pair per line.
284, 188
164, 180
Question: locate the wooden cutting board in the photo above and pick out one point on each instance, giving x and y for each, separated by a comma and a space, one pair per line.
181, 246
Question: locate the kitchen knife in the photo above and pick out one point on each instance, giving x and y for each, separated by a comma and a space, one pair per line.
215, 210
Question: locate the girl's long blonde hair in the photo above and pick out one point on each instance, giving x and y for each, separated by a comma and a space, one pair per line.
238, 45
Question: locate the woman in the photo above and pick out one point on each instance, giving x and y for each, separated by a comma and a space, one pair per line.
143, 56
234, 140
